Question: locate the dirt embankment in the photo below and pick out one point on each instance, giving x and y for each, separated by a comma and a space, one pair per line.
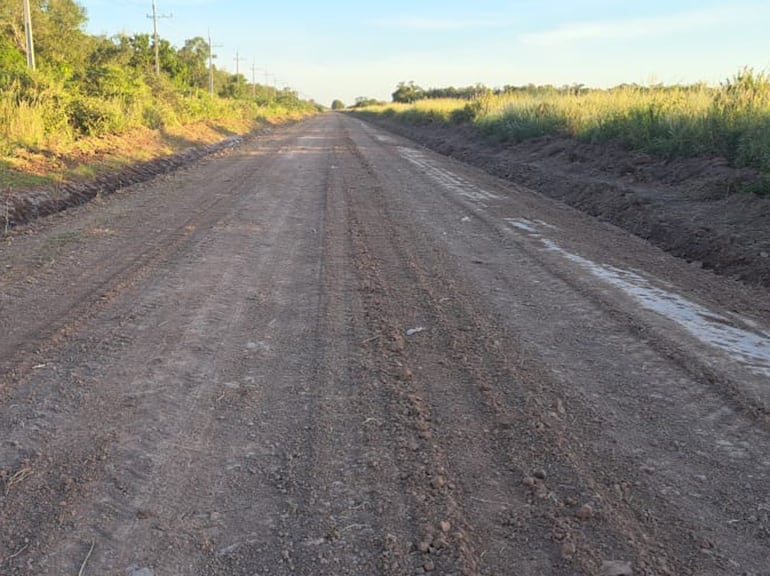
690, 207
113, 162
19, 207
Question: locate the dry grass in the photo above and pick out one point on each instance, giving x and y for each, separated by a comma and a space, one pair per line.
87, 157
732, 120
17, 478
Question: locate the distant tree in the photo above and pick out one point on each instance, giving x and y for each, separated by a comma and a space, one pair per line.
466, 93
142, 56
363, 101
170, 64
194, 57
407, 92
115, 50
236, 86
338, 105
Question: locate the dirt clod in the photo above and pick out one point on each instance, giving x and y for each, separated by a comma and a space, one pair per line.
568, 549
529, 481
585, 512
438, 482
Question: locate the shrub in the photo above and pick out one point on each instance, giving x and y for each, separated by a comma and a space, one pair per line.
95, 117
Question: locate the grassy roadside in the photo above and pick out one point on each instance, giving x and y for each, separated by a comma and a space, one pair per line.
731, 121
29, 168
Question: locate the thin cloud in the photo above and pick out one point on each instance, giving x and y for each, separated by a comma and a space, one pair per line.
437, 24
634, 28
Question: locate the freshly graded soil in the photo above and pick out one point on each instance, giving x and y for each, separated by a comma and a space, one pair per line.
329, 351
695, 208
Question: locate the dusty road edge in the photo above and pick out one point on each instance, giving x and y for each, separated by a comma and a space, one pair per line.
24, 206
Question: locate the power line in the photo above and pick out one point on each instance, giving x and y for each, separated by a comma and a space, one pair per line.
155, 17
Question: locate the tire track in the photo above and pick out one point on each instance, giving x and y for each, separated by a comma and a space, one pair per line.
100, 283
640, 507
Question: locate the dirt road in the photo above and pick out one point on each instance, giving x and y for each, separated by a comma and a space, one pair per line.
331, 352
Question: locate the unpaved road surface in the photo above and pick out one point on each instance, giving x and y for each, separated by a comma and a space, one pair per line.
330, 351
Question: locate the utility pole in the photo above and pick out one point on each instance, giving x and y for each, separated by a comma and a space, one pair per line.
237, 62
28, 35
274, 91
155, 17
211, 65
254, 79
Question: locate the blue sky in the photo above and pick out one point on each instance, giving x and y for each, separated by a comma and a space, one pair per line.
327, 49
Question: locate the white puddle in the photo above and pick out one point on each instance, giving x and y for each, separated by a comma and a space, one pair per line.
749, 347
450, 181
524, 224
384, 139
740, 338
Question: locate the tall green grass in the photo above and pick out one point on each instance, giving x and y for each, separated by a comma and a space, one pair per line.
732, 120
40, 115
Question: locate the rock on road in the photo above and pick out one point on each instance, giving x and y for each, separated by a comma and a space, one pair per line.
329, 351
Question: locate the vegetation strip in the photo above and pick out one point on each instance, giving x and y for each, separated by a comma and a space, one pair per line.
95, 105
730, 121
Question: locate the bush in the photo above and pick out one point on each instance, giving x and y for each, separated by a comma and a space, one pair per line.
465, 115
95, 117
111, 81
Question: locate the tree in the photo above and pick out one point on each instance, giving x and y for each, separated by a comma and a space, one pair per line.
142, 56
112, 81
115, 50
363, 102
11, 58
170, 64
12, 23
408, 92
194, 56
235, 87
338, 105
61, 45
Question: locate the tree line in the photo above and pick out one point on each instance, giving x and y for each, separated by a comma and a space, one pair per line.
105, 65
408, 92
77, 74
